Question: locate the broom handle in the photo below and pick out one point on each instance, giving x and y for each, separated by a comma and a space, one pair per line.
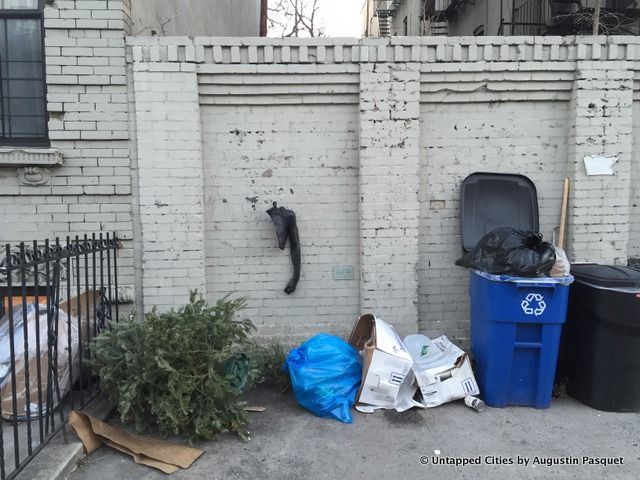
563, 213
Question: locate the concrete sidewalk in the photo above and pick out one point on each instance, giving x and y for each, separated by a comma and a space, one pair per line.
290, 443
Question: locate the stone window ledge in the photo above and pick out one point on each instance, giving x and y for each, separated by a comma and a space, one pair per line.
25, 157
32, 163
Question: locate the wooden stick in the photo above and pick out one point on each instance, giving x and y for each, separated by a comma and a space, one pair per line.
563, 212
596, 18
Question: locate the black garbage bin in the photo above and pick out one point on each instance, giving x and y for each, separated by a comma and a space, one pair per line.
600, 347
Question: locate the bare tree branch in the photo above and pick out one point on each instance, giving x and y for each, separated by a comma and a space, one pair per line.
609, 23
294, 18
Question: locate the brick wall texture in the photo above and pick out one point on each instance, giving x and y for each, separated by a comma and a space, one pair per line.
180, 145
88, 124
368, 141
634, 202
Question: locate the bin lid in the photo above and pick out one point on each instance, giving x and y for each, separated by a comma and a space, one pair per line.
542, 281
608, 276
493, 200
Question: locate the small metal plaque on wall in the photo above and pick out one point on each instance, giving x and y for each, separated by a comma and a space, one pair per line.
343, 272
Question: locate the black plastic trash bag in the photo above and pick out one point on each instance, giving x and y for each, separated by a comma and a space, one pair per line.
286, 227
511, 252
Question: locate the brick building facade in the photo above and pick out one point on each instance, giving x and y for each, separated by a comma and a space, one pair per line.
180, 145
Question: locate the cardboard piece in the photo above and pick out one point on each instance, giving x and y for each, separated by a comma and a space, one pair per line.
165, 456
404, 401
443, 371
76, 307
30, 299
256, 409
385, 367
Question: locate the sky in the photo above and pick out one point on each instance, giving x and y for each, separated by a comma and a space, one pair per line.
338, 18
342, 18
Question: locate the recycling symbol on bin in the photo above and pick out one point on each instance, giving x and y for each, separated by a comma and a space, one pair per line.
533, 304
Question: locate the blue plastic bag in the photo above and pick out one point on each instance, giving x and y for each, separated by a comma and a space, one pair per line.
325, 375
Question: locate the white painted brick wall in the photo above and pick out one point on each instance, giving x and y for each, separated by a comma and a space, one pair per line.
306, 159
170, 192
600, 214
634, 230
389, 183
368, 142
87, 104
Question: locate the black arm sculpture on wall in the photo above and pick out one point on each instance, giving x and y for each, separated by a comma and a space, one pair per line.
285, 223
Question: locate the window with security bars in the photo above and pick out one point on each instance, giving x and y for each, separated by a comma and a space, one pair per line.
23, 115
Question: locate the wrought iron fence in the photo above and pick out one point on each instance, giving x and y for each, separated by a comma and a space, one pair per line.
54, 298
566, 17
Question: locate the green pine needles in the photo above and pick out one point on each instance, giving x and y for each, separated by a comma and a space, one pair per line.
185, 372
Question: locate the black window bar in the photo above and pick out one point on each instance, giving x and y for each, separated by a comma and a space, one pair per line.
54, 298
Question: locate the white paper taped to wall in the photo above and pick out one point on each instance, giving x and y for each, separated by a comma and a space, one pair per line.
600, 164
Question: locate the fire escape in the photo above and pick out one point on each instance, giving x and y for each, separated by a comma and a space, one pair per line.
434, 18
385, 11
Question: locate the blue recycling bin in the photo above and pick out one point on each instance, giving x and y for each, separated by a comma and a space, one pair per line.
516, 324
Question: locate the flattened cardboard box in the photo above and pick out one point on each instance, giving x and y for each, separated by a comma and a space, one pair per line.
452, 380
165, 456
386, 361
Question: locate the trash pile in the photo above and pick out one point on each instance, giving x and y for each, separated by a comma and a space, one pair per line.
32, 320
524, 322
519, 288
377, 370
186, 372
